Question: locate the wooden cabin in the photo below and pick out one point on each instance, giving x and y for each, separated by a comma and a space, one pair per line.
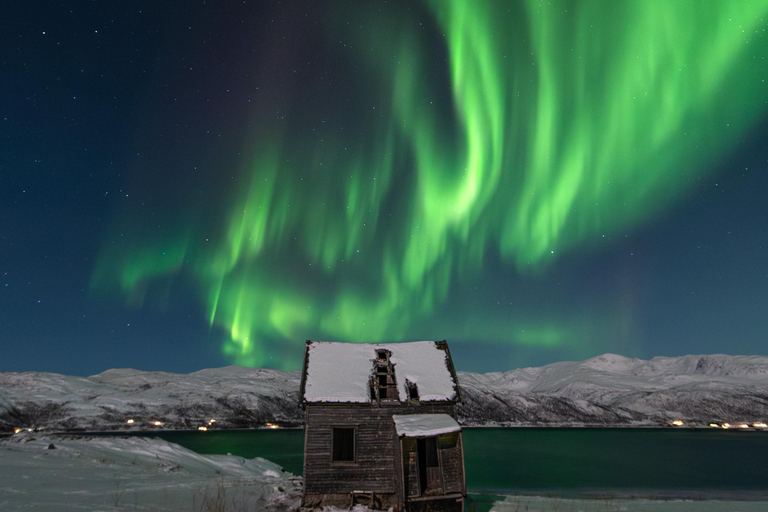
381, 426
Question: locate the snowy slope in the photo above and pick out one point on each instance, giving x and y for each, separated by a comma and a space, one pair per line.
615, 390
60, 473
234, 396
605, 390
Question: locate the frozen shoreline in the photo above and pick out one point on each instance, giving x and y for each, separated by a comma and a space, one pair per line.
546, 504
74, 473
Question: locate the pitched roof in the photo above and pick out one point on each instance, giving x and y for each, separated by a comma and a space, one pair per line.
341, 372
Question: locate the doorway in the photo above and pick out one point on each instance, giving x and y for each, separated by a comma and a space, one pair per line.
430, 481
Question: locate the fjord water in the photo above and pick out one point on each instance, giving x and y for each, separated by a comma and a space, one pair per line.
561, 461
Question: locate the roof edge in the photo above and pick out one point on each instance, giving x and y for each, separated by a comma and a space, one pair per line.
443, 345
302, 386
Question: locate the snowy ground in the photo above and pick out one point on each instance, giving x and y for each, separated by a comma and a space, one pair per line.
72, 473
539, 504
67, 473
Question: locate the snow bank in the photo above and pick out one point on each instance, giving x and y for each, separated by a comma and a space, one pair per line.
546, 504
60, 473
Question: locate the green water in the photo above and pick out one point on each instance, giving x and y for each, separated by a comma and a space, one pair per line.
281, 446
560, 461
648, 461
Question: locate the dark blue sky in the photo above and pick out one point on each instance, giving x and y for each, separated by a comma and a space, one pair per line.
136, 121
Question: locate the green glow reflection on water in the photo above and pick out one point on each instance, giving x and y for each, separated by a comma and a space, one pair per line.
556, 460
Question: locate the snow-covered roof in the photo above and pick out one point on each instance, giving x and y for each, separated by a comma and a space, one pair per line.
341, 372
415, 425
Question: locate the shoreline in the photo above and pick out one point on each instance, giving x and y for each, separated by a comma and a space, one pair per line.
142, 468
617, 426
516, 503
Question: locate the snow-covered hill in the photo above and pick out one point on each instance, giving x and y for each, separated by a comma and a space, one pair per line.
234, 396
605, 390
615, 390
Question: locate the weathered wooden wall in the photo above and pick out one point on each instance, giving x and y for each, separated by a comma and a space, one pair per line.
451, 460
378, 460
452, 457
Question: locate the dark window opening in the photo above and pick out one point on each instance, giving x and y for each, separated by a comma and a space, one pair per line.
429, 466
343, 444
413, 390
383, 385
386, 383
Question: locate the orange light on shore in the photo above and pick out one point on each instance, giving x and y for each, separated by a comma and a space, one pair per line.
211, 422
726, 425
17, 430
760, 425
272, 425
743, 425
678, 423
715, 425
157, 423
202, 428
130, 422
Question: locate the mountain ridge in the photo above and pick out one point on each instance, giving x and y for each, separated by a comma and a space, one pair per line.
606, 390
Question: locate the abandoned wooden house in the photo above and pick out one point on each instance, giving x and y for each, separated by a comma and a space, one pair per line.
381, 426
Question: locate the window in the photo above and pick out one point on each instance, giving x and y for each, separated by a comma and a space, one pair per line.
413, 390
343, 442
383, 385
386, 384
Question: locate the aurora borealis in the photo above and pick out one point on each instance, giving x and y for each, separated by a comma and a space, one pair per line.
518, 177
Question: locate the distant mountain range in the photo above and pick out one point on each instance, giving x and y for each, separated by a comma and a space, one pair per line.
607, 390
611, 390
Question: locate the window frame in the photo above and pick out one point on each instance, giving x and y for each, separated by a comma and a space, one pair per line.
353, 428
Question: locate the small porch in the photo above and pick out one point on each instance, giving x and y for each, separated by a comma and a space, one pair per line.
432, 463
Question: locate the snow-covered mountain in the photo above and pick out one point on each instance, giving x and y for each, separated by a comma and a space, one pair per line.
615, 390
605, 390
234, 396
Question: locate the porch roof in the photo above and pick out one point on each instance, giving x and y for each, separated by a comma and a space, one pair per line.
424, 425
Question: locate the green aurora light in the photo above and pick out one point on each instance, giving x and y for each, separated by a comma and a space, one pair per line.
549, 125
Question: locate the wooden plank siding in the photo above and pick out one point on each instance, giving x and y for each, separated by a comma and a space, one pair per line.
451, 465
452, 459
410, 468
377, 460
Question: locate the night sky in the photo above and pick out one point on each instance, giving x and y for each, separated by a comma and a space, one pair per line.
191, 184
